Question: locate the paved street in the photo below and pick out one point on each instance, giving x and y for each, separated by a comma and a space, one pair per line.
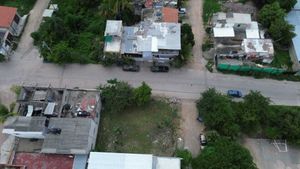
25, 67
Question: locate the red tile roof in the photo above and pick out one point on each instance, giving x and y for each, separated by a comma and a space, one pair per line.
7, 15
170, 15
43, 161
149, 3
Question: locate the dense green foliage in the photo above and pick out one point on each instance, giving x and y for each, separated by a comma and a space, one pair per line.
218, 115
209, 8
187, 43
282, 32
186, 158
285, 4
4, 113
75, 32
282, 59
142, 94
269, 13
119, 95
226, 154
271, 16
24, 6
254, 115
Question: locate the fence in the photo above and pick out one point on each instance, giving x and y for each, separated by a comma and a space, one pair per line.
244, 68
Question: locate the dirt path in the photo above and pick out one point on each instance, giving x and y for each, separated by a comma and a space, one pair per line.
25, 45
194, 11
190, 127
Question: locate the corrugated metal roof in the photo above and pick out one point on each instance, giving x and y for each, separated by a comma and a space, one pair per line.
167, 163
223, 32
294, 18
119, 161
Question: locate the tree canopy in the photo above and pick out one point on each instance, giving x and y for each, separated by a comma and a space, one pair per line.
282, 32
269, 13
217, 113
224, 153
142, 94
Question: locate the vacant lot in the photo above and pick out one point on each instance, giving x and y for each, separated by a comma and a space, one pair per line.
24, 6
148, 129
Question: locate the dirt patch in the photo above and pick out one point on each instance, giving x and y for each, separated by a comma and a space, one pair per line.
7, 96
190, 127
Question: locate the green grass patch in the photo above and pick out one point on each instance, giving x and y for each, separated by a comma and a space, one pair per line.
146, 129
24, 6
209, 8
282, 59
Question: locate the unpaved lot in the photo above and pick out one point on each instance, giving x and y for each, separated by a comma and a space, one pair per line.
190, 127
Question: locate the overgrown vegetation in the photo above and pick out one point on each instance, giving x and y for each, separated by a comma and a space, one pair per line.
24, 6
224, 153
272, 17
2, 58
16, 89
119, 95
150, 128
186, 158
187, 43
254, 116
75, 32
209, 8
4, 113
282, 59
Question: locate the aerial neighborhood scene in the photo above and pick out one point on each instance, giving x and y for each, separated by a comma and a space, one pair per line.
149, 84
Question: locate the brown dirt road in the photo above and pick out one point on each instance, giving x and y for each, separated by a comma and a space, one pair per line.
190, 127
194, 12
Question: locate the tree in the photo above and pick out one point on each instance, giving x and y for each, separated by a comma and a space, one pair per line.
253, 111
285, 4
187, 43
269, 13
186, 157
217, 113
111, 8
281, 31
142, 94
117, 95
226, 154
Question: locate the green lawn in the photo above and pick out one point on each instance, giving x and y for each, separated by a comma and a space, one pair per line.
209, 8
24, 6
147, 129
282, 59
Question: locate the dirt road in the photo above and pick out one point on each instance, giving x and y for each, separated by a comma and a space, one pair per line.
194, 11
190, 127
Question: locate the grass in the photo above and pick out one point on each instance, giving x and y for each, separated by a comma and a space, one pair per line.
147, 129
282, 59
209, 8
24, 6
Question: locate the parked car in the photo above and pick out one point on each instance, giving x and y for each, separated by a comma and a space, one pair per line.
203, 141
234, 93
131, 68
182, 11
160, 67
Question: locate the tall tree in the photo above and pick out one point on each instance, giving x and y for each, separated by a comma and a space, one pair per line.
269, 13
